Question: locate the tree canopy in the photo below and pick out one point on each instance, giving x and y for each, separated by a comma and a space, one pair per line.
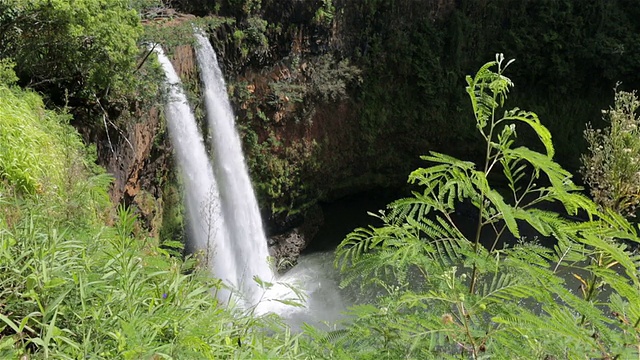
76, 48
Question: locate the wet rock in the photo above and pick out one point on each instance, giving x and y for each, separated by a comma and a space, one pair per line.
286, 248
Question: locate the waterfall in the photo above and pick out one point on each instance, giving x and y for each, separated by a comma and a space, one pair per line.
223, 214
239, 205
207, 229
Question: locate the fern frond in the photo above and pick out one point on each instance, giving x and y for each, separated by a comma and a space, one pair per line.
514, 172
616, 221
557, 175
477, 88
415, 207
354, 245
533, 121
449, 160
503, 287
615, 251
435, 230
555, 330
568, 253
545, 222
447, 181
626, 311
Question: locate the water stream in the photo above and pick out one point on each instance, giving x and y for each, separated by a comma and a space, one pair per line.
237, 199
224, 221
207, 230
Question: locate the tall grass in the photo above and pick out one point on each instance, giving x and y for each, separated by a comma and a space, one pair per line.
31, 154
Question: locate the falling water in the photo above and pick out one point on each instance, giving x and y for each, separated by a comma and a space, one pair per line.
239, 205
225, 221
206, 223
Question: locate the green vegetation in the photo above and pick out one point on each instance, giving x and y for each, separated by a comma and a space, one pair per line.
282, 168
73, 287
79, 279
30, 163
78, 49
452, 294
570, 52
396, 69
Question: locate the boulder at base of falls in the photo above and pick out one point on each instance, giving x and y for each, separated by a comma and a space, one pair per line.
286, 248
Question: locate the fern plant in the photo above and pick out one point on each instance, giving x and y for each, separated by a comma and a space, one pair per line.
448, 292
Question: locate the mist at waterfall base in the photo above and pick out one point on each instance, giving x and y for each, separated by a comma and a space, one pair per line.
315, 273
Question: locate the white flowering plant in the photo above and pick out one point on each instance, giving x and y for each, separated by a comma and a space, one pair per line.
611, 166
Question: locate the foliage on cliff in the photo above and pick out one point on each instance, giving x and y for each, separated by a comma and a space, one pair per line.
34, 163
411, 58
414, 56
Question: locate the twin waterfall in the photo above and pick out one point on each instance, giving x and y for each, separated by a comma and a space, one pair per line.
224, 219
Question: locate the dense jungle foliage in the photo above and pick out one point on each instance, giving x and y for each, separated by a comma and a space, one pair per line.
571, 54
295, 67
81, 277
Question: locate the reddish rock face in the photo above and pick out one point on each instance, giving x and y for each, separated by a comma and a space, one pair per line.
137, 164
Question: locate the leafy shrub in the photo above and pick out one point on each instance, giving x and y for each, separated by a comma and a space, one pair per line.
450, 293
329, 78
7, 75
612, 166
245, 7
325, 13
84, 47
256, 33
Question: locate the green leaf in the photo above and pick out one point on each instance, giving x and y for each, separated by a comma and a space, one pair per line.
505, 210
532, 120
7, 343
10, 322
